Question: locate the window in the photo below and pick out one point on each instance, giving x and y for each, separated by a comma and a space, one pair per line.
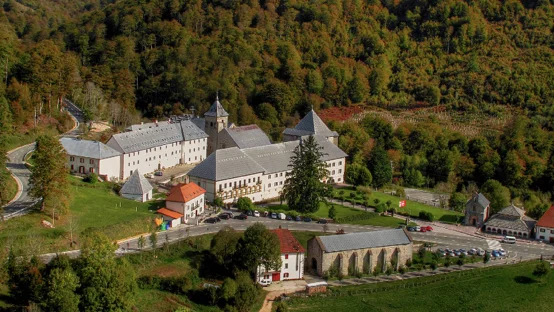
138, 162
542, 230
281, 183
285, 275
72, 158
269, 177
340, 170
248, 180
340, 163
90, 169
269, 185
71, 167
281, 174
82, 160
133, 163
129, 165
221, 188
286, 265
541, 237
225, 185
275, 184
286, 256
333, 171
189, 150
551, 231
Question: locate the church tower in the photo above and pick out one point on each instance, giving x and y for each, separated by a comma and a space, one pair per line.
216, 119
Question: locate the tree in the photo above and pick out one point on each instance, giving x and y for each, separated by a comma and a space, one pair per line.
246, 293
244, 204
332, 212
486, 258
218, 202
357, 174
48, 181
497, 194
541, 269
224, 246
380, 167
457, 201
141, 241
304, 188
228, 289
107, 283
153, 239
61, 291
258, 246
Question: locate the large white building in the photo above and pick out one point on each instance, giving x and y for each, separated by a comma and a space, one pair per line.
86, 157
292, 260
257, 172
157, 146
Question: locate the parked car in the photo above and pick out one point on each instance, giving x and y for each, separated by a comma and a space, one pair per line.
256, 213
480, 252
281, 216
452, 254
150, 176
495, 254
463, 252
457, 253
422, 229
322, 221
427, 228
418, 228
158, 173
411, 229
273, 215
501, 252
509, 239
210, 220
242, 216
289, 218
224, 216
249, 213
265, 282
298, 218
307, 219
441, 252
472, 251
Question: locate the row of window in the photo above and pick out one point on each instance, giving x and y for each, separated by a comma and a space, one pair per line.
333, 164
333, 172
194, 149
543, 230
275, 184
276, 175
240, 183
82, 160
82, 169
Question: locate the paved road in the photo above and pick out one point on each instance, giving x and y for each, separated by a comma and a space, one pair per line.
16, 164
523, 250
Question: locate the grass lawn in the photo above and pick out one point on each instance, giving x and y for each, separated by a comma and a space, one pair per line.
10, 188
508, 288
92, 207
412, 208
381, 221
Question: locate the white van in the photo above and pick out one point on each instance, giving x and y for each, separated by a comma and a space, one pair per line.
509, 240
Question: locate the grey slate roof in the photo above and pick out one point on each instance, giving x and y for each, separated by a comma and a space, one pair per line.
248, 136
134, 141
225, 164
136, 185
234, 162
311, 124
480, 199
199, 122
353, 241
146, 125
216, 110
86, 148
512, 218
191, 131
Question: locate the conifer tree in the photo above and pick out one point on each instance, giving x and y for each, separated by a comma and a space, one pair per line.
305, 188
48, 181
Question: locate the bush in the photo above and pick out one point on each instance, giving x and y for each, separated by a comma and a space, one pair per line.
388, 271
409, 263
281, 307
364, 190
425, 215
244, 204
402, 269
91, 178
434, 265
400, 192
380, 208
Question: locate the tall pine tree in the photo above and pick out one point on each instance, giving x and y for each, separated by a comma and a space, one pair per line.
380, 167
48, 181
305, 188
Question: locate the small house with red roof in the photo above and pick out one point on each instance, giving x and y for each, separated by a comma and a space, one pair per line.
187, 200
292, 258
544, 229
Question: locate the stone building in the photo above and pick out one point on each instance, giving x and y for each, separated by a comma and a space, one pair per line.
360, 252
311, 124
511, 221
477, 210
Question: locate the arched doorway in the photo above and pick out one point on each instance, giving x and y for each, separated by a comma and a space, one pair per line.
473, 221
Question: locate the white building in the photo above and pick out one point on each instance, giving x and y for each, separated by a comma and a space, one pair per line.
544, 229
157, 146
86, 157
137, 188
292, 258
257, 172
311, 124
186, 199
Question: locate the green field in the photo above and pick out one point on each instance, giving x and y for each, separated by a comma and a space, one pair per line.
412, 208
507, 288
92, 207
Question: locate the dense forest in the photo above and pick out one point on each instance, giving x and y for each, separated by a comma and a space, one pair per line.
272, 60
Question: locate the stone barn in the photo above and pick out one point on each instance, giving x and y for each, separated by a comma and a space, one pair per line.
359, 252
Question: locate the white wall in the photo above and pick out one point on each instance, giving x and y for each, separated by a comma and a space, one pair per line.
110, 167
188, 209
151, 159
248, 188
194, 151
293, 266
544, 233
336, 169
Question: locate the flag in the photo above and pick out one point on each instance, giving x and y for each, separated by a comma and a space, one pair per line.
402, 203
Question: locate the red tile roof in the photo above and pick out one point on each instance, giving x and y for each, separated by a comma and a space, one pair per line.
169, 213
184, 192
289, 244
547, 219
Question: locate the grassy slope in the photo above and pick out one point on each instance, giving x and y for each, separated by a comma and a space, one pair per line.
91, 207
413, 208
510, 288
10, 187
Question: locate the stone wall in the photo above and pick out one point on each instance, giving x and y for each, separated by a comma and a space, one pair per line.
361, 260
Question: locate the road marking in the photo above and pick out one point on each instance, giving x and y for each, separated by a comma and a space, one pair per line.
493, 244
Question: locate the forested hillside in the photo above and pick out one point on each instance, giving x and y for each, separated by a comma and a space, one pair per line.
273, 60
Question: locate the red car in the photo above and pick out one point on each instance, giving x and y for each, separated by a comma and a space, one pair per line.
426, 229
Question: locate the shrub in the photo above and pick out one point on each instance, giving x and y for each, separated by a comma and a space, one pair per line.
402, 269
281, 307
364, 190
91, 178
541, 269
425, 215
380, 208
352, 195
244, 204
376, 271
409, 263
388, 271
460, 261
400, 192
434, 265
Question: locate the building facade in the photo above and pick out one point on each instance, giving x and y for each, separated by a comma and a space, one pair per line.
84, 157
511, 221
137, 188
359, 252
477, 210
292, 260
187, 200
544, 229
258, 172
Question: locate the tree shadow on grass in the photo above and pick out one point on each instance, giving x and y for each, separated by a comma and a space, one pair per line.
524, 280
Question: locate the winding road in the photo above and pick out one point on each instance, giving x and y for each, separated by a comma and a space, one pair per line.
16, 165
